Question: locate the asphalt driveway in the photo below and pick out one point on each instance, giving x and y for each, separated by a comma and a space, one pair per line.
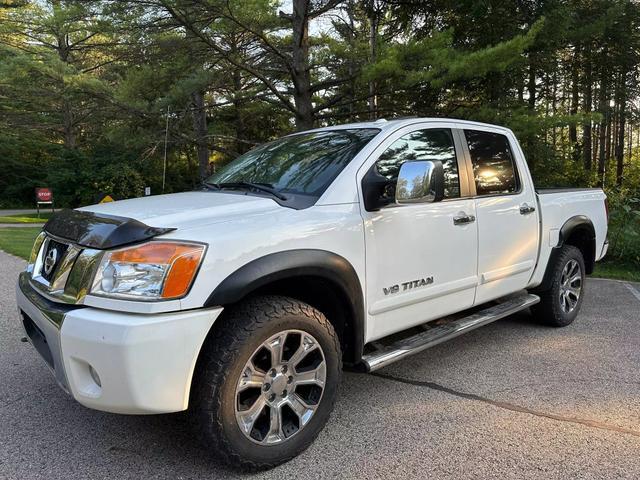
510, 400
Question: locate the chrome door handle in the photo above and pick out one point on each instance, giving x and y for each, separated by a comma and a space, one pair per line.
463, 219
526, 209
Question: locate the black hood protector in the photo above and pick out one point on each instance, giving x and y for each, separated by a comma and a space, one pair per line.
100, 231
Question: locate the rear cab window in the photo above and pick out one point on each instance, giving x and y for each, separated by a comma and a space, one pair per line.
493, 163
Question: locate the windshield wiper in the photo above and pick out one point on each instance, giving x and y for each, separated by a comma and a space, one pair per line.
210, 186
251, 185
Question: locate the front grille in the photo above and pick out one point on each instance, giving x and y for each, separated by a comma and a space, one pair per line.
52, 258
62, 270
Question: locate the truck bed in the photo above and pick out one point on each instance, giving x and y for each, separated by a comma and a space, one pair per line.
557, 206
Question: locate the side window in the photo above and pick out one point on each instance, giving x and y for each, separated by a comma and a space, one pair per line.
493, 165
431, 144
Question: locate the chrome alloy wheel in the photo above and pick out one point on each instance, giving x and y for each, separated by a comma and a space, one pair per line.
280, 387
570, 286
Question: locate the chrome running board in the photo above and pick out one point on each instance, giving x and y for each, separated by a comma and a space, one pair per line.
434, 335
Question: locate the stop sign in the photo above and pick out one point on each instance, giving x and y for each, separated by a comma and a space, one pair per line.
44, 195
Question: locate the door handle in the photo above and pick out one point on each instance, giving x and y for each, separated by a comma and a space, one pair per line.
463, 219
526, 209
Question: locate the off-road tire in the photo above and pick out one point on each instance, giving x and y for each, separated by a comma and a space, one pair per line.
550, 311
231, 343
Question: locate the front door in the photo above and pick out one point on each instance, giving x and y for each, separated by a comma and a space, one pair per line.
421, 260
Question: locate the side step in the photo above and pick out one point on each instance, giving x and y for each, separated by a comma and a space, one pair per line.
435, 335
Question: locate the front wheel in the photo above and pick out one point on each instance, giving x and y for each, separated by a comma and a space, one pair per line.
560, 304
266, 381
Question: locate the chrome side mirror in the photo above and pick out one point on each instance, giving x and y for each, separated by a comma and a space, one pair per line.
420, 182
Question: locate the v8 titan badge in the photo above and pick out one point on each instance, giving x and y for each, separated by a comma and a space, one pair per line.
422, 282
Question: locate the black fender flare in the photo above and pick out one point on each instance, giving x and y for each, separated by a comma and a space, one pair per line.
296, 263
578, 222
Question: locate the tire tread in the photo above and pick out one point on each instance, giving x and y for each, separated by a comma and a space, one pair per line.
548, 311
234, 330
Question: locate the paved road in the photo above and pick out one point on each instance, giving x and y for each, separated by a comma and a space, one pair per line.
511, 400
21, 225
4, 213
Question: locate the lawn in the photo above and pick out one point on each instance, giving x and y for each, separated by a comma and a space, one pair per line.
18, 241
26, 218
617, 270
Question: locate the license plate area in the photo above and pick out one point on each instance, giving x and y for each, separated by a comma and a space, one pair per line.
38, 339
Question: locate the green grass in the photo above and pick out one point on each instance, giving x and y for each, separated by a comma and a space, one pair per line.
26, 218
18, 241
617, 270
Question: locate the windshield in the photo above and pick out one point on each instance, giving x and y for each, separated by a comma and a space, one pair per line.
300, 164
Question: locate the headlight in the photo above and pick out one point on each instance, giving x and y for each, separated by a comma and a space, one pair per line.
152, 271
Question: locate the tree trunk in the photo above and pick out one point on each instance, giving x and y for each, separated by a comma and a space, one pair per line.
575, 98
238, 120
300, 65
586, 128
554, 107
200, 130
68, 126
373, 58
603, 108
610, 134
621, 101
352, 68
532, 86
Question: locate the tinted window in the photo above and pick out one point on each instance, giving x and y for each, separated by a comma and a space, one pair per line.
306, 163
493, 166
432, 144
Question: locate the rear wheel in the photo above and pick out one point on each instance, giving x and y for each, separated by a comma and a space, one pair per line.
266, 382
560, 304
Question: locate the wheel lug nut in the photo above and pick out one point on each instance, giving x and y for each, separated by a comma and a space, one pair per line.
284, 393
290, 380
266, 387
273, 372
284, 369
272, 397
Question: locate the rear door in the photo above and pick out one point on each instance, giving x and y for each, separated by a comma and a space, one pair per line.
420, 261
505, 205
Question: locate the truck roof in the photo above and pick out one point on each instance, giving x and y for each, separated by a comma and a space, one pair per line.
394, 123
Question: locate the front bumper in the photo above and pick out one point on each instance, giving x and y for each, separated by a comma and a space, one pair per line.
115, 361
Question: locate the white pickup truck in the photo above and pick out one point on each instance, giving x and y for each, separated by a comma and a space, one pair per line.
242, 301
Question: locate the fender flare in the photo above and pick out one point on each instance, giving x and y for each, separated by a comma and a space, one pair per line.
578, 222
296, 263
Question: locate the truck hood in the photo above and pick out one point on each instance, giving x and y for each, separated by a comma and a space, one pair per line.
185, 210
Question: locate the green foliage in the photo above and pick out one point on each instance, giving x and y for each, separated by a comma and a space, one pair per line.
624, 226
435, 59
94, 94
